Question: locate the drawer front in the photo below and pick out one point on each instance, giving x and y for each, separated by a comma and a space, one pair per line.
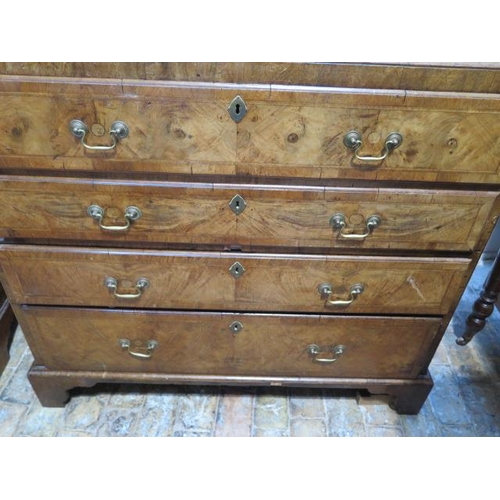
308, 135
197, 343
243, 216
171, 126
288, 130
231, 281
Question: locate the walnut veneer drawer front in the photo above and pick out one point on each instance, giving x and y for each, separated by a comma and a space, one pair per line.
277, 130
197, 343
227, 281
381, 136
243, 216
171, 124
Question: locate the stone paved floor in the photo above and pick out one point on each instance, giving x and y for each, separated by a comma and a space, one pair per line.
465, 400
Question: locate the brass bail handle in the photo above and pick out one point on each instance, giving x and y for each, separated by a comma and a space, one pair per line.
139, 352
325, 290
97, 213
338, 221
118, 131
314, 351
140, 285
353, 140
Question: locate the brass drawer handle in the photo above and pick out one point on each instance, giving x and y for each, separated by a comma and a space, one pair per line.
140, 285
140, 352
338, 221
314, 350
118, 131
97, 213
353, 140
325, 290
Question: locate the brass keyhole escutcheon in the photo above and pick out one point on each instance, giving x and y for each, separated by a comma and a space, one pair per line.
237, 109
238, 204
237, 270
236, 327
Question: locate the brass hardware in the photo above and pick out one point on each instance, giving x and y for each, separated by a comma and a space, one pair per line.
142, 352
325, 290
98, 213
140, 285
237, 109
353, 140
236, 327
238, 204
338, 221
237, 270
117, 132
314, 350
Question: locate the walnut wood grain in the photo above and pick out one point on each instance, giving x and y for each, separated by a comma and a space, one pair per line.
275, 216
203, 344
462, 77
311, 137
288, 131
171, 127
181, 280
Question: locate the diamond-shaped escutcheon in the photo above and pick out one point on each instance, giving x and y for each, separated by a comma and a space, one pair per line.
237, 270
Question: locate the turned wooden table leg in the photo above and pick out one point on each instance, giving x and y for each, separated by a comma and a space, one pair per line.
484, 305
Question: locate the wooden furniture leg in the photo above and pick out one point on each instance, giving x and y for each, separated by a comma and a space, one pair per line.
407, 398
484, 305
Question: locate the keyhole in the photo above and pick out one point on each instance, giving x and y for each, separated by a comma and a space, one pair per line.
237, 109
237, 204
236, 327
237, 270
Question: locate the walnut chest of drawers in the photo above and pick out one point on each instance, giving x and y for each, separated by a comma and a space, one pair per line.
251, 224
